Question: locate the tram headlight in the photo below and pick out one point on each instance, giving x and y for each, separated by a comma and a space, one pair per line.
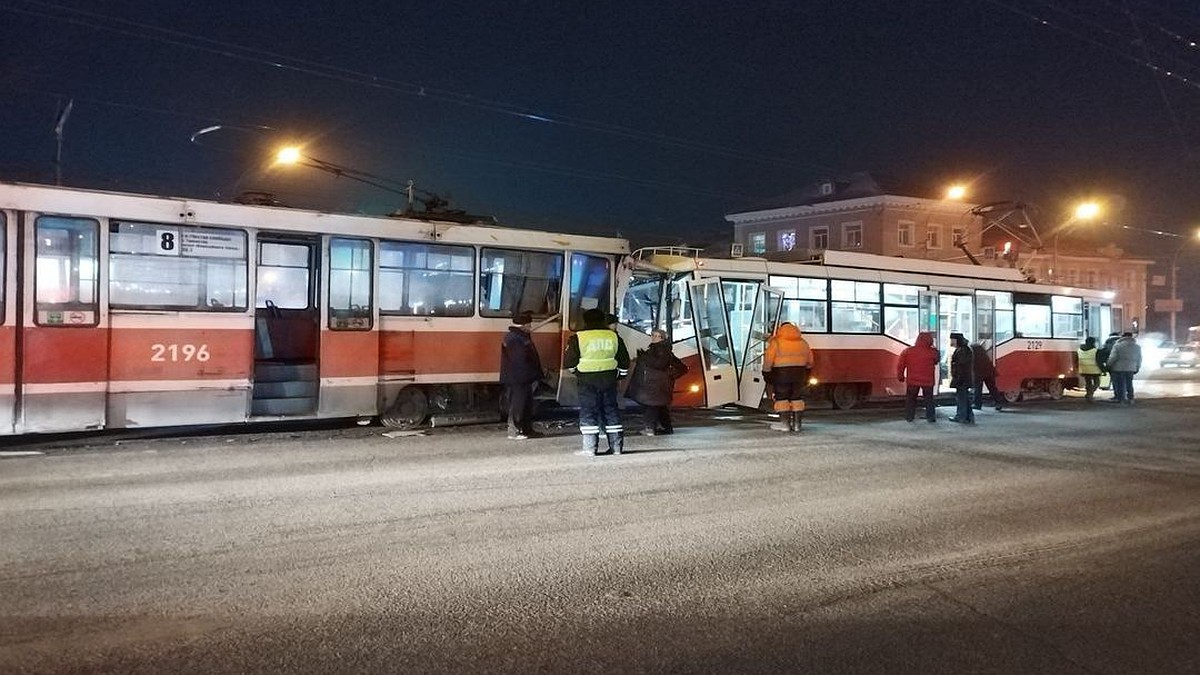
812, 381
695, 388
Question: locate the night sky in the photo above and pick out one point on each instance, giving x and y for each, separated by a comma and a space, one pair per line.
649, 119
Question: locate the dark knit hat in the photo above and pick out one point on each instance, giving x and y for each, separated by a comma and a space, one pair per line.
594, 318
522, 319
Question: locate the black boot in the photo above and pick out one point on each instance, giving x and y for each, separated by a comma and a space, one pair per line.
790, 417
797, 419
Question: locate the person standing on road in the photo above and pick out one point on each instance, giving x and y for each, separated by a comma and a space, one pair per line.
653, 383
917, 369
1102, 358
785, 367
1088, 367
1123, 362
520, 373
962, 363
598, 357
985, 373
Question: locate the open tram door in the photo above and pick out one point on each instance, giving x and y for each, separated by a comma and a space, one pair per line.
751, 385
286, 326
713, 342
927, 321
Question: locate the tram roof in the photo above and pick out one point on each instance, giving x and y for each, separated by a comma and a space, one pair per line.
50, 199
862, 266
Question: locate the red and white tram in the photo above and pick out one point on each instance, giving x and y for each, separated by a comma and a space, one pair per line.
857, 311
125, 310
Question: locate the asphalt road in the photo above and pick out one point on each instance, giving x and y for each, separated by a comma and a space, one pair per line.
1053, 538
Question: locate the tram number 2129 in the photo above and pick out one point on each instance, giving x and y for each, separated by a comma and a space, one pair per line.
1033, 344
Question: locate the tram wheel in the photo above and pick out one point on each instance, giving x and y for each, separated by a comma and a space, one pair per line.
1011, 397
845, 396
408, 410
1055, 389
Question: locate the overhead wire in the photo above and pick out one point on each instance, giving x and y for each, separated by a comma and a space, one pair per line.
327, 71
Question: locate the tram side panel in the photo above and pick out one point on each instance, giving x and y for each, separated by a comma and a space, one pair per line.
179, 369
8, 332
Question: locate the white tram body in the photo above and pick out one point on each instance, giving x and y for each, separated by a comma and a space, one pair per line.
124, 310
858, 312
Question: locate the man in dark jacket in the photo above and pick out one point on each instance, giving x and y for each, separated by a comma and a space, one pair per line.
520, 372
917, 368
985, 374
962, 376
654, 383
598, 358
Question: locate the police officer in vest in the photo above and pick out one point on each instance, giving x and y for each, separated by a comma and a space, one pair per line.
598, 358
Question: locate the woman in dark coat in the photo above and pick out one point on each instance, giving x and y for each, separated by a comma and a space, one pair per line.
962, 377
654, 383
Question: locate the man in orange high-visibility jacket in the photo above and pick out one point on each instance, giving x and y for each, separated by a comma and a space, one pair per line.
785, 367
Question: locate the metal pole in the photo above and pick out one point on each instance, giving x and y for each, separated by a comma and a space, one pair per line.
1174, 291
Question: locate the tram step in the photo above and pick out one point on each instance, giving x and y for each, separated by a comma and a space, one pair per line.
299, 389
265, 371
283, 406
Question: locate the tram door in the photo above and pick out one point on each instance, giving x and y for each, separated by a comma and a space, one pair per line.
956, 314
768, 304
286, 327
927, 320
62, 347
713, 341
349, 336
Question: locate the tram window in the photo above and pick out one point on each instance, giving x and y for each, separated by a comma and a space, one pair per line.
808, 315
154, 266
901, 294
1033, 320
67, 270
682, 326
511, 282
855, 317
901, 319
1060, 304
643, 299
426, 279
854, 291
350, 284
283, 275
902, 323
591, 283
800, 287
1005, 325
1067, 316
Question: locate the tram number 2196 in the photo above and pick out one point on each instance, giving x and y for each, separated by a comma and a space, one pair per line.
176, 352
1033, 344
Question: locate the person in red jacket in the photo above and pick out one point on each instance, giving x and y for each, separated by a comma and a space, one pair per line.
918, 369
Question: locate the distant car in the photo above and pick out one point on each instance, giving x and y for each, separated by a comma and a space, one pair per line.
1181, 357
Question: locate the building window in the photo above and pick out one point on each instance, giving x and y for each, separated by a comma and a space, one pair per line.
1091, 279
852, 235
960, 236
818, 238
1071, 275
904, 233
933, 236
758, 242
1130, 279
787, 240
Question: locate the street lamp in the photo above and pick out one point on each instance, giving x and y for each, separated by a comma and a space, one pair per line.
1176, 305
291, 154
956, 192
1083, 211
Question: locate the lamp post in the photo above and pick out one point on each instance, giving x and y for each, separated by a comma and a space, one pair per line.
1176, 304
1083, 212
